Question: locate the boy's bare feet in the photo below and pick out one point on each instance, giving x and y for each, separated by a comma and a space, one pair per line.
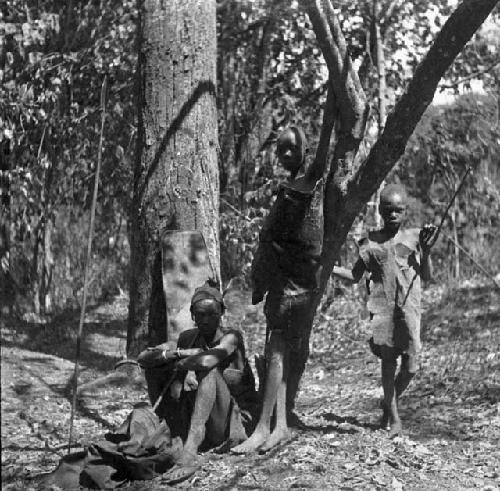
396, 429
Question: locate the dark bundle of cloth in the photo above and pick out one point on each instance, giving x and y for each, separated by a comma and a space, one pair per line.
141, 449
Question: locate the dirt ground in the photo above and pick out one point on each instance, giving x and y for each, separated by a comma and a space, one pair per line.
451, 411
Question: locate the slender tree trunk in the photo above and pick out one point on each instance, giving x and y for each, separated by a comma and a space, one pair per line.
456, 250
47, 266
176, 180
382, 91
7, 285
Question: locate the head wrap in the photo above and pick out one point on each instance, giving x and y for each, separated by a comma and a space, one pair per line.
210, 292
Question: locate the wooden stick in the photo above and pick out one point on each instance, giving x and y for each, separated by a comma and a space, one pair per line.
445, 214
87, 261
164, 390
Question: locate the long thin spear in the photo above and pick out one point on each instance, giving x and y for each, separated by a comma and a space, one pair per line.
87, 261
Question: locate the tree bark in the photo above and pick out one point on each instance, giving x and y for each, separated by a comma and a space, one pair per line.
176, 180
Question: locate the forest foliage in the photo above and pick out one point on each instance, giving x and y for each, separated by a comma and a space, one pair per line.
270, 74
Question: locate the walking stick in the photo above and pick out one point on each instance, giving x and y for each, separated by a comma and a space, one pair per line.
87, 261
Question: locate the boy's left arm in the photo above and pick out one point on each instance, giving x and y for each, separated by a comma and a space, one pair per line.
425, 238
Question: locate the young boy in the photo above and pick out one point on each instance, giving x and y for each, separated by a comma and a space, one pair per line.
286, 266
397, 259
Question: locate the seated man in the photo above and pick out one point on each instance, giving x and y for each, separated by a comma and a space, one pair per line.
212, 398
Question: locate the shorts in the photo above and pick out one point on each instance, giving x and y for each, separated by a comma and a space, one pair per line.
289, 313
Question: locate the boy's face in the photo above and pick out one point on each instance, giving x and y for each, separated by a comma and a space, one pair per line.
392, 210
289, 151
206, 315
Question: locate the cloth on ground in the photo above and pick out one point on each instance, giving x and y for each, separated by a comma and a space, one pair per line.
141, 449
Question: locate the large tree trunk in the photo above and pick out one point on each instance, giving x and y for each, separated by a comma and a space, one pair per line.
176, 181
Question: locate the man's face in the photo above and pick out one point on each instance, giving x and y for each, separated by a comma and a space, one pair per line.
289, 151
206, 315
392, 210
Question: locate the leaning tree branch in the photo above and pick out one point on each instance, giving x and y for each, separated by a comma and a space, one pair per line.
330, 114
349, 96
403, 119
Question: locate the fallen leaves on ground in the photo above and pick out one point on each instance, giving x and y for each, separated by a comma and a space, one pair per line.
451, 411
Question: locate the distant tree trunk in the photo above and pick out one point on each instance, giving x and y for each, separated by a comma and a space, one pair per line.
382, 90
456, 251
7, 285
176, 180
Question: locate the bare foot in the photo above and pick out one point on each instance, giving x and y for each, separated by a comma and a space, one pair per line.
396, 429
187, 465
253, 443
279, 435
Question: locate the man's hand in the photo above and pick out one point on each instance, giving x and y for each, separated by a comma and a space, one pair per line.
176, 390
426, 237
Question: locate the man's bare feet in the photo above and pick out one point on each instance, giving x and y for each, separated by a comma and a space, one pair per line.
187, 465
230, 443
279, 435
257, 439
